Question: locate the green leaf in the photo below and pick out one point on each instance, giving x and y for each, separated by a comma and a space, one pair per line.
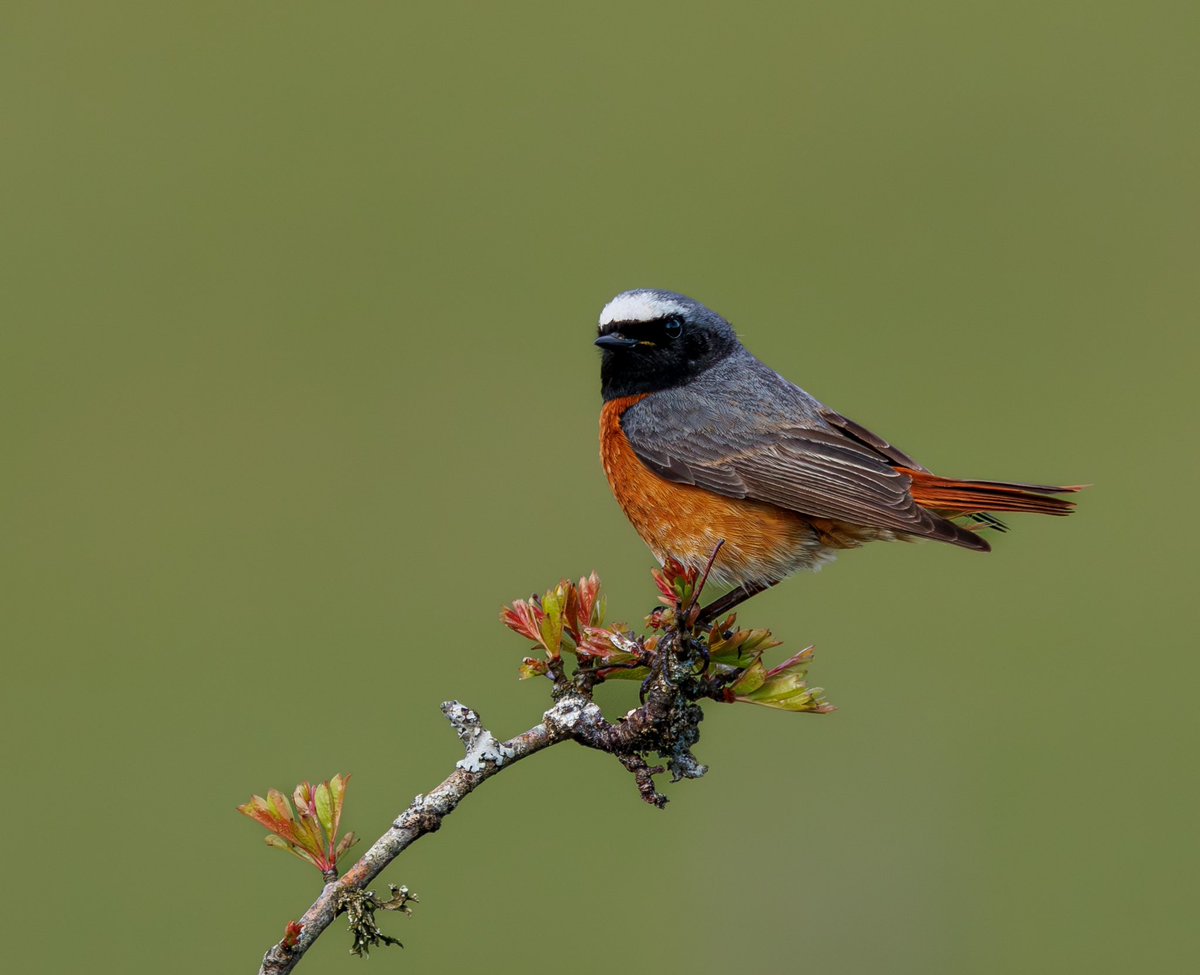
636, 673
788, 692
308, 831
750, 681
740, 646
278, 804
280, 844
324, 805
337, 788
553, 605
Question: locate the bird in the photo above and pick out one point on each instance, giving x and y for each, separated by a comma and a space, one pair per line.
707, 449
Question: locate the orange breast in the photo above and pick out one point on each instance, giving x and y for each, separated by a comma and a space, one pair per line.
763, 543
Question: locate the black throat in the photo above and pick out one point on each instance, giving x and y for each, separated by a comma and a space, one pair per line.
628, 372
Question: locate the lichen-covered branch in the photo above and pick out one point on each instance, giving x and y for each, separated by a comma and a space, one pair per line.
485, 757
654, 727
689, 657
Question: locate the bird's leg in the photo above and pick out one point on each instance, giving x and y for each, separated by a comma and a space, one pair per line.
704, 576
735, 597
682, 612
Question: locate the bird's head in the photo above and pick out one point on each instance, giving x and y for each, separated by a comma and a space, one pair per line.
655, 340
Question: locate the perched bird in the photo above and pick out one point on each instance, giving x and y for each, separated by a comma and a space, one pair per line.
703, 444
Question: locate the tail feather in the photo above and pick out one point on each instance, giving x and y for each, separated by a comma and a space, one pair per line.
953, 498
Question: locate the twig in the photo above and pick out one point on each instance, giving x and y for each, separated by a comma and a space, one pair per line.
485, 757
665, 724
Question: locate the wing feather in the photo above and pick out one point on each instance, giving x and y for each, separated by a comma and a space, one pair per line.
821, 465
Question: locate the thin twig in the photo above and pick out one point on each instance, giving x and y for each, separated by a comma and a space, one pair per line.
485, 757
667, 724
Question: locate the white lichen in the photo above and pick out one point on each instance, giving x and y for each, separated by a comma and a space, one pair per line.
486, 751
569, 712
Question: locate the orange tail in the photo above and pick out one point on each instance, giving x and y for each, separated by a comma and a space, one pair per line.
948, 497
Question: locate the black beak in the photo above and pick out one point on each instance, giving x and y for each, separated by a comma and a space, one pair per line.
616, 341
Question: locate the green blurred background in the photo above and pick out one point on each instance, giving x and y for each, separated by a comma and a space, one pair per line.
298, 388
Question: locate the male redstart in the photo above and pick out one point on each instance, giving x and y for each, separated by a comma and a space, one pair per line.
703, 444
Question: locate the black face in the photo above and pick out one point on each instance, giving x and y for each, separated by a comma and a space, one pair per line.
644, 357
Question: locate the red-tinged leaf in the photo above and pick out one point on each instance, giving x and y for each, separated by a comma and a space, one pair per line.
280, 844
256, 807
308, 830
279, 804
570, 611
532, 668
263, 813
608, 643
311, 838
308, 833
291, 935
344, 844
798, 662
258, 810
523, 617
661, 618
590, 606
666, 591
675, 582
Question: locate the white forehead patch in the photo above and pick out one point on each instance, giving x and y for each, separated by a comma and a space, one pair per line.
638, 306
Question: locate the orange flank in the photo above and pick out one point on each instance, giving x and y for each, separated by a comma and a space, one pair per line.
762, 541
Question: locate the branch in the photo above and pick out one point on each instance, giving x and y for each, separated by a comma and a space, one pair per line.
484, 758
665, 724
682, 663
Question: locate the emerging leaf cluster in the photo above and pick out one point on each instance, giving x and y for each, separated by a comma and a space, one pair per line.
783, 686
570, 617
309, 833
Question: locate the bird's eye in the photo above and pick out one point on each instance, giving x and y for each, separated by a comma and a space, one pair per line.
673, 327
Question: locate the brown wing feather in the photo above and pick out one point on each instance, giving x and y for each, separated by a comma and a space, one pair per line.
818, 472
856, 431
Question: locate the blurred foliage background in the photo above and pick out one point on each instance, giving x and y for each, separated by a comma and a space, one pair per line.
298, 388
